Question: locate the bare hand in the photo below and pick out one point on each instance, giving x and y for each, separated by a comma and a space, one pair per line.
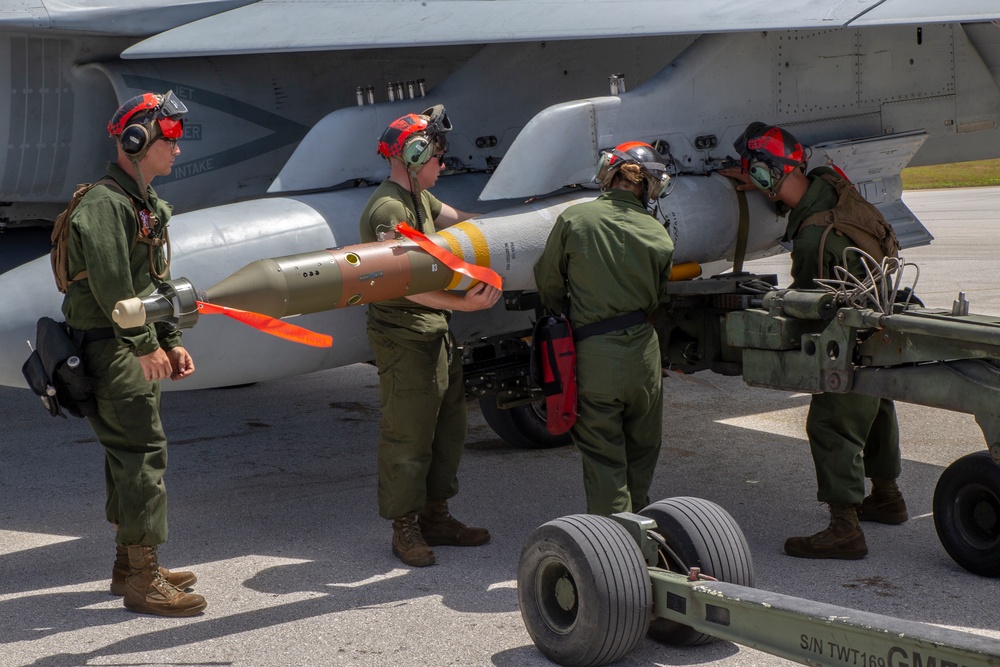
481, 297
155, 365
741, 177
181, 363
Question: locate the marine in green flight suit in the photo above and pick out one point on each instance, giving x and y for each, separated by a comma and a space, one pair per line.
421, 388
603, 260
850, 436
116, 251
423, 426
127, 422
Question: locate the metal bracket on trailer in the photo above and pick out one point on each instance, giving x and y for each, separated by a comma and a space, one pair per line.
813, 633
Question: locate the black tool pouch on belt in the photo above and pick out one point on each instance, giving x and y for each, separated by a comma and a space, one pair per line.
54, 371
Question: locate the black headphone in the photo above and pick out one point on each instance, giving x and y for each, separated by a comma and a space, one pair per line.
135, 139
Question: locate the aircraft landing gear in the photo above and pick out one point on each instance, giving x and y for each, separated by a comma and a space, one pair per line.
967, 513
521, 426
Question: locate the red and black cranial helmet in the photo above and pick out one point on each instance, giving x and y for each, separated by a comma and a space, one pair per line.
652, 167
145, 118
416, 138
769, 154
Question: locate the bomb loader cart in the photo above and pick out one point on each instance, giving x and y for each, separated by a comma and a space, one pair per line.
590, 587
855, 338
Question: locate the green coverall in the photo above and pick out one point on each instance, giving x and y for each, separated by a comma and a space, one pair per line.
605, 258
851, 436
421, 388
103, 241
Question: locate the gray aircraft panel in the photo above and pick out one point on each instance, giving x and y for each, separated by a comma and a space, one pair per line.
275, 26
921, 11
113, 17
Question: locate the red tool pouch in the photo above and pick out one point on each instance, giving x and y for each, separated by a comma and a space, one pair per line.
553, 367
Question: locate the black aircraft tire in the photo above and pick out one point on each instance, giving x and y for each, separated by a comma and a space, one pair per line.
704, 535
522, 426
967, 513
584, 590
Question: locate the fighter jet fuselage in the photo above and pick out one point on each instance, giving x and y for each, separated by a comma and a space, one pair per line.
286, 101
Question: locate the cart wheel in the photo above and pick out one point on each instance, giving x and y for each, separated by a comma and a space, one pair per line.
584, 590
522, 426
967, 513
700, 534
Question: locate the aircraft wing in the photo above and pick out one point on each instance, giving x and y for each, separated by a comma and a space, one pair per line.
275, 26
144, 17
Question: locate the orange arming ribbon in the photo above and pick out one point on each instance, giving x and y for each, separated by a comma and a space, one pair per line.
457, 264
269, 325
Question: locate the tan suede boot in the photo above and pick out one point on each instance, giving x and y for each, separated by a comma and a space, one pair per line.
439, 527
884, 504
843, 538
408, 544
147, 592
119, 572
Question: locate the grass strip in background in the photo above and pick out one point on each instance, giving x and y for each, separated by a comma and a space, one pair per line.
956, 175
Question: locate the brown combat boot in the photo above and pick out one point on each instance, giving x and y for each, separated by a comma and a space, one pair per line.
147, 592
884, 504
119, 572
408, 544
843, 538
440, 528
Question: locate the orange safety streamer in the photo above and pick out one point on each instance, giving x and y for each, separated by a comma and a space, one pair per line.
269, 325
457, 264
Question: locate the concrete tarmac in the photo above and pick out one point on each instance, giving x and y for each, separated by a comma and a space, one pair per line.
272, 503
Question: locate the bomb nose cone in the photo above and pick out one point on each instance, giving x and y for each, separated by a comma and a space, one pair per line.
129, 313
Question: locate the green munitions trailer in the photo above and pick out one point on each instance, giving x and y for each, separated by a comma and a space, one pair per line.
680, 570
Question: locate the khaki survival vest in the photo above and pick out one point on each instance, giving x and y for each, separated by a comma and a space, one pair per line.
855, 218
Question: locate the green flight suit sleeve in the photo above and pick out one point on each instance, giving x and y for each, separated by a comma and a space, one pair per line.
168, 336
663, 295
550, 271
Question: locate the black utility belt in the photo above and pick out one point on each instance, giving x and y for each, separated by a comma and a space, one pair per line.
88, 336
616, 323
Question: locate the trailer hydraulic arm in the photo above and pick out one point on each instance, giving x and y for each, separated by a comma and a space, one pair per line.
921, 356
819, 341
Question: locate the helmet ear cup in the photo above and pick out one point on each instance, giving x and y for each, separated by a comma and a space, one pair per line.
417, 151
603, 169
657, 185
763, 175
134, 139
